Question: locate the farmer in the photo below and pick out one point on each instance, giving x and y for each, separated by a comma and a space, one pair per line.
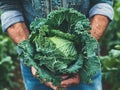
16, 16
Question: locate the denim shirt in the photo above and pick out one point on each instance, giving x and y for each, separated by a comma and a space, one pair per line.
14, 11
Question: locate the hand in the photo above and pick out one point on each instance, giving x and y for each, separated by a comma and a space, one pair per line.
73, 80
67, 81
49, 84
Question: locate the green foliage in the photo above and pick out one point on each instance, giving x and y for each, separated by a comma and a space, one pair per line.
111, 39
111, 68
7, 53
61, 44
112, 35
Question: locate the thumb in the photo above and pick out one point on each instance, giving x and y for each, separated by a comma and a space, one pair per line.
34, 71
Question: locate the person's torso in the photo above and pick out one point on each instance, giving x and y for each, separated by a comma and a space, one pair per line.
41, 8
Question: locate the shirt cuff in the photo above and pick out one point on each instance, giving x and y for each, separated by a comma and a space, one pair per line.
9, 18
103, 9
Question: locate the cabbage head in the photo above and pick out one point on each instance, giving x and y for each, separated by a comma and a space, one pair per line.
61, 44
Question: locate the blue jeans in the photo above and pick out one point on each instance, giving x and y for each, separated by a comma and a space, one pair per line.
32, 83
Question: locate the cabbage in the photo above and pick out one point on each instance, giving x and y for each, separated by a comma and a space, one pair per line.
61, 44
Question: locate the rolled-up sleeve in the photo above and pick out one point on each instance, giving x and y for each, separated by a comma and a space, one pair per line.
10, 13
9, 18
103, 9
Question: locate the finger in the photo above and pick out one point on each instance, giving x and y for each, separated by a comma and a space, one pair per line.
34, 71
49, 84
71, 81
64, 77
63, 86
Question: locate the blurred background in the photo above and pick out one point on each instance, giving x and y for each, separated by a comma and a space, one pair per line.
10, 76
